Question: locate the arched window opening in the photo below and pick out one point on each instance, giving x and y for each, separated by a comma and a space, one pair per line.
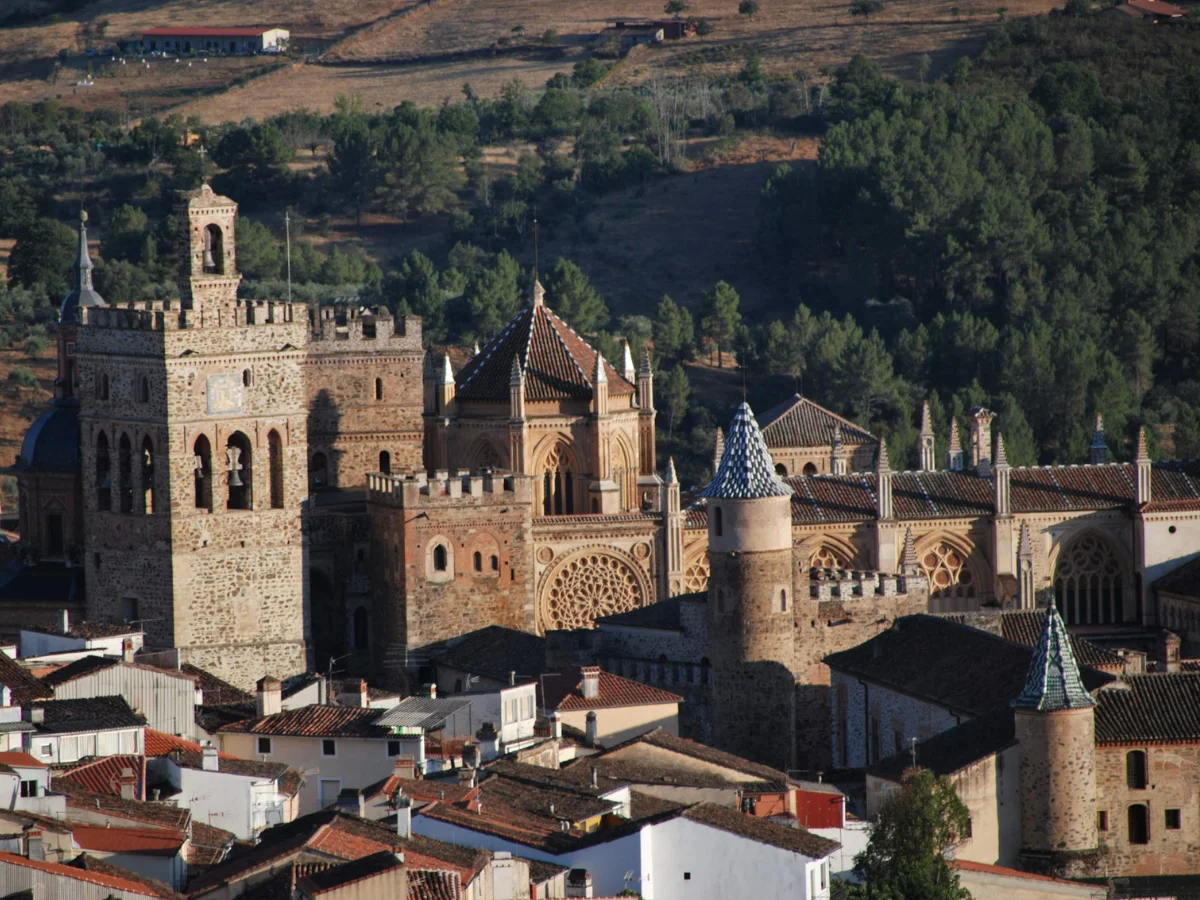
495, 563
780, 469
214, 251
1135, 769
385, 462
55, 538
1089, 583
147, 476
247, 378
102, 388
362, 629
275, 450
125, 473
478, 561
439, 558
558, 487
103, 474
827, 558
952, 584
718, 522
783, 601
318, 472
239, 477
1139, 824
378, 388
809, 469
202, 469
143, 391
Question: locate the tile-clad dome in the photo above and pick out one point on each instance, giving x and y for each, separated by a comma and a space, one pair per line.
746, 471
52, 442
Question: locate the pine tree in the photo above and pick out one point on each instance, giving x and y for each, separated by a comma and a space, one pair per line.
571, 295
721, 317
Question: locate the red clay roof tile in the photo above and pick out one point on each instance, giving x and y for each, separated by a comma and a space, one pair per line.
565, 692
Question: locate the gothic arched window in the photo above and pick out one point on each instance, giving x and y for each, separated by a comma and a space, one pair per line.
214, 250
558, 483
952, 584
827, 558
239, 477
103, 474
1089, 583
125, 473
202, 467
147, 476
275, 451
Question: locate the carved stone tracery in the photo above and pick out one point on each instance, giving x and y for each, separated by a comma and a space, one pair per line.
587, 585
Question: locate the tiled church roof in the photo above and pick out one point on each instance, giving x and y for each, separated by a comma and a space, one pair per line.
558, 363
746, 471
822, 499
1053, 681
1162, 707
798, 422
1025, 627
1184, 581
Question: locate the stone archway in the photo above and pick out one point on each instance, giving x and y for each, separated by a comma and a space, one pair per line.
584, 585
1091, 581
955, 583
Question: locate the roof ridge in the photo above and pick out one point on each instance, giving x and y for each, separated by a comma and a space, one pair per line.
552, 320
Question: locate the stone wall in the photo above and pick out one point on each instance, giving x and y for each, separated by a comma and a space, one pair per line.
417, 604
1058, 781
1173, 783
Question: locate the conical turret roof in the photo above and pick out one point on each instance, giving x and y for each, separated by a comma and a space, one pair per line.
82, 294
747, 471
558, 363
1053, 682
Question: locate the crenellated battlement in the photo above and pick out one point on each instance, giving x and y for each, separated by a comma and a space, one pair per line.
175, 315
852, 584
423, 489
345, 327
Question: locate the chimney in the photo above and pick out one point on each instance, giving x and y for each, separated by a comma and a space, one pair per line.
590, 686
128, 783
269, 696
512, 678
981, 440
555, 724
359, 695
127, 650
470, 755
466, 776
350, 801
405, 767
64, 620
209, 761
35, 849
403, 817
431, 691
595, 778
592, 730
37, 715
5, 695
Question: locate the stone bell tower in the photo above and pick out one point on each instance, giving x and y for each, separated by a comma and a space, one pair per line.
194, 461
751, 606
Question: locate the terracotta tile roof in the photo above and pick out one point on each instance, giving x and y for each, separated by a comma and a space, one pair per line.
798, 422
1156, 7
1157, 708
159, 743
209, 845
24, 686
540, 871
952, 750
576, 780
930, 657
565, 692
212, 718
87, 630
1183, 581
494, 652
143, 841
970, 866
619, 756
558, 363
233, 765
419, 789
120, 883
91, 714
103, 775
157, 814
350, 872
431, 884
746, 470
89, 863
241, 867
764, 831
314, 721
21, 758
1025, 627
216, 692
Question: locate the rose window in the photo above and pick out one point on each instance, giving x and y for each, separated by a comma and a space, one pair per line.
588, 587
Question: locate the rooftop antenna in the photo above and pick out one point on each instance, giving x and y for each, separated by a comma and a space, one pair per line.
287, 228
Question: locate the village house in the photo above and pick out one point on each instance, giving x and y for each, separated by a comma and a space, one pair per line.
607, 708
214, 41
69, 730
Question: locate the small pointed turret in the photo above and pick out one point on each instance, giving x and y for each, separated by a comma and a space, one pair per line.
447, 370
837, 461
1001, 456
672, 478
82, 293
1098, 452
908, 555
926, 438
516, 391
746, 471
475, 351
1025, 597
537, 295
600, 387
1002, 480
627, 368
1145, 470
1053, 682
883, 483
954, 453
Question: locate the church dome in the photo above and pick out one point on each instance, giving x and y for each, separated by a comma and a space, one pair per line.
52, 442
82, 294
558, 363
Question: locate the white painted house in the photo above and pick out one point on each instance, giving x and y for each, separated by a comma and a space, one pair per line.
25, 786
81, 638
68, 730
167, 698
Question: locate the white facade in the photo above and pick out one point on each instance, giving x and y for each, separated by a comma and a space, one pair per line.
354, 763
677, 858
512, 710
63, 748
243, 804
166, 699
38, 643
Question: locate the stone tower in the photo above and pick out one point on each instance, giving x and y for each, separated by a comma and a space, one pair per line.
194, 461
750, 600
1056, 731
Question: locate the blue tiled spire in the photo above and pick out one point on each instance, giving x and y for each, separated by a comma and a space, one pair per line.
1053, 681
747, 471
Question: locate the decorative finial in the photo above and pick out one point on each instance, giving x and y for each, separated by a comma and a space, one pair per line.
882, 464
1001, 456
672, 478
517, 375
538, 294
447, 370
955, 444
599, 375
908, 554
926, 420
1143, 451
644, 370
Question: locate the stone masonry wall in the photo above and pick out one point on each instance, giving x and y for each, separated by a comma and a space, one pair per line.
1057, 780
1173, 783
